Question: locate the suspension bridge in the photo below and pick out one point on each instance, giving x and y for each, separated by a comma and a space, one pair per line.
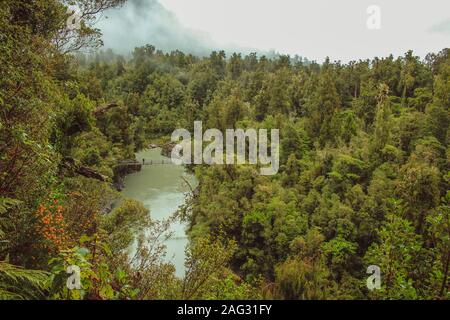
146, 163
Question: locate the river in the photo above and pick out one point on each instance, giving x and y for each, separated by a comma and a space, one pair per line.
162, 190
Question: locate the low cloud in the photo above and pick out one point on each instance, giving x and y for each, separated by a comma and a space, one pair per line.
141, 22
441, 28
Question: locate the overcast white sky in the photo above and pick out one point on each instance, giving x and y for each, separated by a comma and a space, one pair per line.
320, 28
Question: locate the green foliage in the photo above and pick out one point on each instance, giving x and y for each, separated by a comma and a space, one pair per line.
439, 228
22, 284
206, 260
304, 275
352, 137
124, 223
396, 253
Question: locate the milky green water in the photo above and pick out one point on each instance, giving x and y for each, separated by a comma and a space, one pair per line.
162, 190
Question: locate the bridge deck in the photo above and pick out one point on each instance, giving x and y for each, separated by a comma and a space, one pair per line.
147, 163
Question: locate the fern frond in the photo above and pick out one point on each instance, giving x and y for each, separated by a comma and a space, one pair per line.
7, 203
18, 283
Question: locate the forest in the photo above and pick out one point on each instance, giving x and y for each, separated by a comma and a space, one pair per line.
364, 169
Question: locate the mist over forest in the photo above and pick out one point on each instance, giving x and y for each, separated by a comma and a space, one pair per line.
141, 22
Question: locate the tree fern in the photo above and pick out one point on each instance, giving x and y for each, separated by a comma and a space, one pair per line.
17, 283
5, 205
